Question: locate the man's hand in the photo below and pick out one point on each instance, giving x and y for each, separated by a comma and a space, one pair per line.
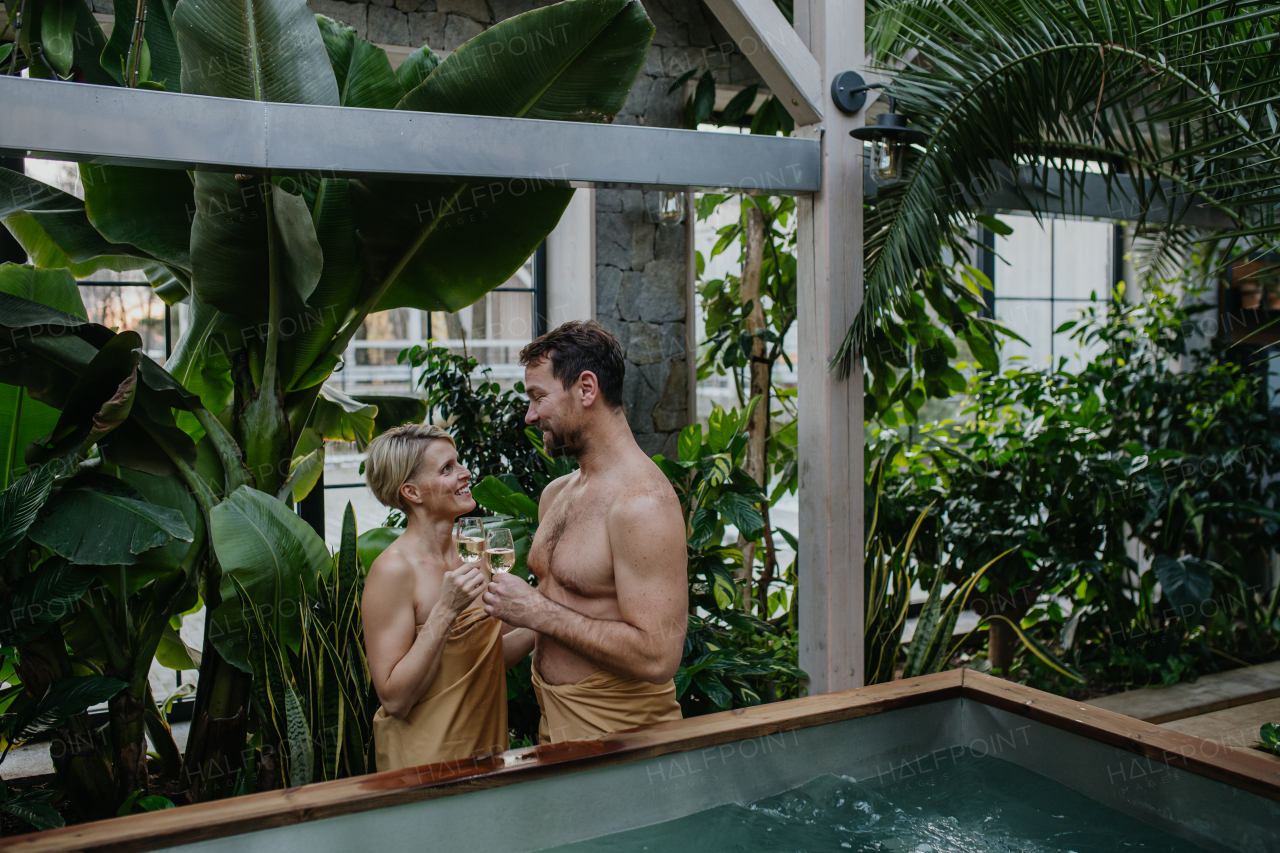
513, 601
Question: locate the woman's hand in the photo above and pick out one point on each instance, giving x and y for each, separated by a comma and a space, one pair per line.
460, 587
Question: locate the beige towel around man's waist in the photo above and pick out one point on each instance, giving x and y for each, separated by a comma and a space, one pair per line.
464, 712
602, 702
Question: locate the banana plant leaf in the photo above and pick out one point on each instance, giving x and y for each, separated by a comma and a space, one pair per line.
162, 49
23, 419
147, 208
41, 598
341, 418
267, 549
362, 71
98, 520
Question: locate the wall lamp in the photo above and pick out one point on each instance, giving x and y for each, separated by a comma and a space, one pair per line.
889, 136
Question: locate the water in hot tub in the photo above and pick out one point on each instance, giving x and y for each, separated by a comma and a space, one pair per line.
978, 805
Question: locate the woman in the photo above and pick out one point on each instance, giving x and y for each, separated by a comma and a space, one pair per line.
438, 662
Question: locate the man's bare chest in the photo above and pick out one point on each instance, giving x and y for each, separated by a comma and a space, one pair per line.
571, 548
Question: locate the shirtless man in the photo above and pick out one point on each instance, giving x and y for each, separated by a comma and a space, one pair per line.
610, 607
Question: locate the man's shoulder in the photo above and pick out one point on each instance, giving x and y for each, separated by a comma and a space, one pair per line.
555, 487
645, 490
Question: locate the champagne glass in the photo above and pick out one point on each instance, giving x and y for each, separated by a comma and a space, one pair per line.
469, 533
502, 550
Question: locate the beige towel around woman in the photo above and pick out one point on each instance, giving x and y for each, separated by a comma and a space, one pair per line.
602, 702
464, 713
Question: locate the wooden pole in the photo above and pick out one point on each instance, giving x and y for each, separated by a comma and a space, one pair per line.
831, 607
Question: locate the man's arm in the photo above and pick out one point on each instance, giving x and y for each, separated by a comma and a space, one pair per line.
646, 535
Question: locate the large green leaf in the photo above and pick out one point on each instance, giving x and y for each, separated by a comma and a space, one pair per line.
417, 67
71, 40
442, 245
22, 419
101, 521
362, 71
64, 699
52, 227
41, 598
275, 555
230, 264
334, 294
147, 208
201, 358
338, 417
19, 505
1187, 582
161, 47
254, 51
98, 403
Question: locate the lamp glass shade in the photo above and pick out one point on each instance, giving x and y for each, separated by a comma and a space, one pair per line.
886, 158
671, 208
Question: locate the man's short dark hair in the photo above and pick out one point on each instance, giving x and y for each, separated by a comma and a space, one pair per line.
577, 346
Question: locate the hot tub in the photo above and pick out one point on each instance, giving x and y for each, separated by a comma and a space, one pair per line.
891, 734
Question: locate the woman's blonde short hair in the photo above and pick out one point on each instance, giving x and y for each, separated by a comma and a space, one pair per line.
394, 458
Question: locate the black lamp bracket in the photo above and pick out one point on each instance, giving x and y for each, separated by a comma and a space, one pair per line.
849, 91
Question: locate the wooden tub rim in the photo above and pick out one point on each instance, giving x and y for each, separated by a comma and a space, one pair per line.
1244, 769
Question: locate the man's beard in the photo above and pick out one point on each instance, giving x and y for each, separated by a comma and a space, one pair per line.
559, 446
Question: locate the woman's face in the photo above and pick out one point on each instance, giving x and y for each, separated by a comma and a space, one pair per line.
441, 484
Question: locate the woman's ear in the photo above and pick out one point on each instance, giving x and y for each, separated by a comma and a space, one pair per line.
409, 494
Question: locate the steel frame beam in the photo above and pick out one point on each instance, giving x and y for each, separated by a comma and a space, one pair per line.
104, 124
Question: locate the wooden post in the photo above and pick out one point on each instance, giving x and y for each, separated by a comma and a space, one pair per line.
831, 608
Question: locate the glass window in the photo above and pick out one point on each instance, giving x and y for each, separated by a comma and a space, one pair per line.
1045, 274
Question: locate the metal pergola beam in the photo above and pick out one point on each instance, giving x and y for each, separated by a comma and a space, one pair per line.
104, 124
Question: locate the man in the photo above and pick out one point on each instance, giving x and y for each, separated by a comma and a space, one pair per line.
610, 608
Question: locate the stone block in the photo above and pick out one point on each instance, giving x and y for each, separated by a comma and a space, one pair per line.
662, 298
613, 240
645, 346
673, 340
503, 9
476, 10
641, 245
387, 26
459, 30
638, 97
427, 28
663, 110
610, 200
608, 283
354, 15
620, 329
653, 64
652, 443
641, 388
671, 447
381, 3
629, 295
415, 6
671, 411
670, 241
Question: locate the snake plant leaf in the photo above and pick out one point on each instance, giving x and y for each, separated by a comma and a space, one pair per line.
443, 245
275, 555
64, 699
19, 505
254, 51
161, 45
147, 208
362, 71
98, 520
41, 598
23, 419
417, 67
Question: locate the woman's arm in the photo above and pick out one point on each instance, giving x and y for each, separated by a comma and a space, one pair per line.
403, 661
516, 645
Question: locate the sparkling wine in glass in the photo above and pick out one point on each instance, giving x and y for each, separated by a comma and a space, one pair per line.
501, 550
469, 533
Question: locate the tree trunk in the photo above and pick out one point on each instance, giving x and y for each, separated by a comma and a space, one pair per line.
128, 740
749, 294
161, 737
219, 727
79, 754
